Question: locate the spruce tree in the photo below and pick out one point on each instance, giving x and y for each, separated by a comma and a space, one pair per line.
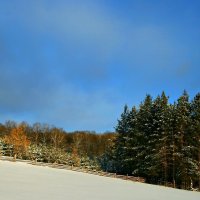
182, 120
172, 144
132, 143
160, 139
122, 130
145, 122
195, 139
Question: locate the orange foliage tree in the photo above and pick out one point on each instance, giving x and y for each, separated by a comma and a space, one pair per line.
75, 157
18, 140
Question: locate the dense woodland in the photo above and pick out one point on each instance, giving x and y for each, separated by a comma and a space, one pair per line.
44, 143
157, 140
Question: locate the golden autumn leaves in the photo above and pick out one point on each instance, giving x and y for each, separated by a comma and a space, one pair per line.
44, 143
18, 140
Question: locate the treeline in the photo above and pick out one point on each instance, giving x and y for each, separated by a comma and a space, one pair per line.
159, 141
44, 143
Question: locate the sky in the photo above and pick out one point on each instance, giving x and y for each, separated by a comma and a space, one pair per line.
75, 64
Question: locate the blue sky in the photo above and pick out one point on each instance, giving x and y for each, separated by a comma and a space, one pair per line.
74, 64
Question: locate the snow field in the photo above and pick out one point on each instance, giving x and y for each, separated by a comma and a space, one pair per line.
21, 181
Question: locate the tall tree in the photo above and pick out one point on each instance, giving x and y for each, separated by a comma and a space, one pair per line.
145, 122
159, 139
57, 137
122, 130
195, 139
132, 143
18, 139
182, 116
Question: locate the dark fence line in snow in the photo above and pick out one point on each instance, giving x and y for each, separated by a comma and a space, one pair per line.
77, 169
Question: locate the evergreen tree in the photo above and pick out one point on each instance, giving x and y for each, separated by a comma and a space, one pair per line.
145, 122
172, 145
132, 143
122, 130
195, 139
160, 139
182, 120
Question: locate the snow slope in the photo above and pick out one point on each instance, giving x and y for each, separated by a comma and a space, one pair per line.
21, 181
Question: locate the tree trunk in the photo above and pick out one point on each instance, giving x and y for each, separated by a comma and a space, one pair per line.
173, 166
199, 170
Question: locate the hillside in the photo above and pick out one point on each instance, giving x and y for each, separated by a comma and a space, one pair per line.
21, 181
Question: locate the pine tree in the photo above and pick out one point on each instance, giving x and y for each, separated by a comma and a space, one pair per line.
195, 139
160, 139
144, 125
172, 145
122, 130
182, 120
132, 143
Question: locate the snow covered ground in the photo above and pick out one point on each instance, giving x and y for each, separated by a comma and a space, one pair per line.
21, 181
